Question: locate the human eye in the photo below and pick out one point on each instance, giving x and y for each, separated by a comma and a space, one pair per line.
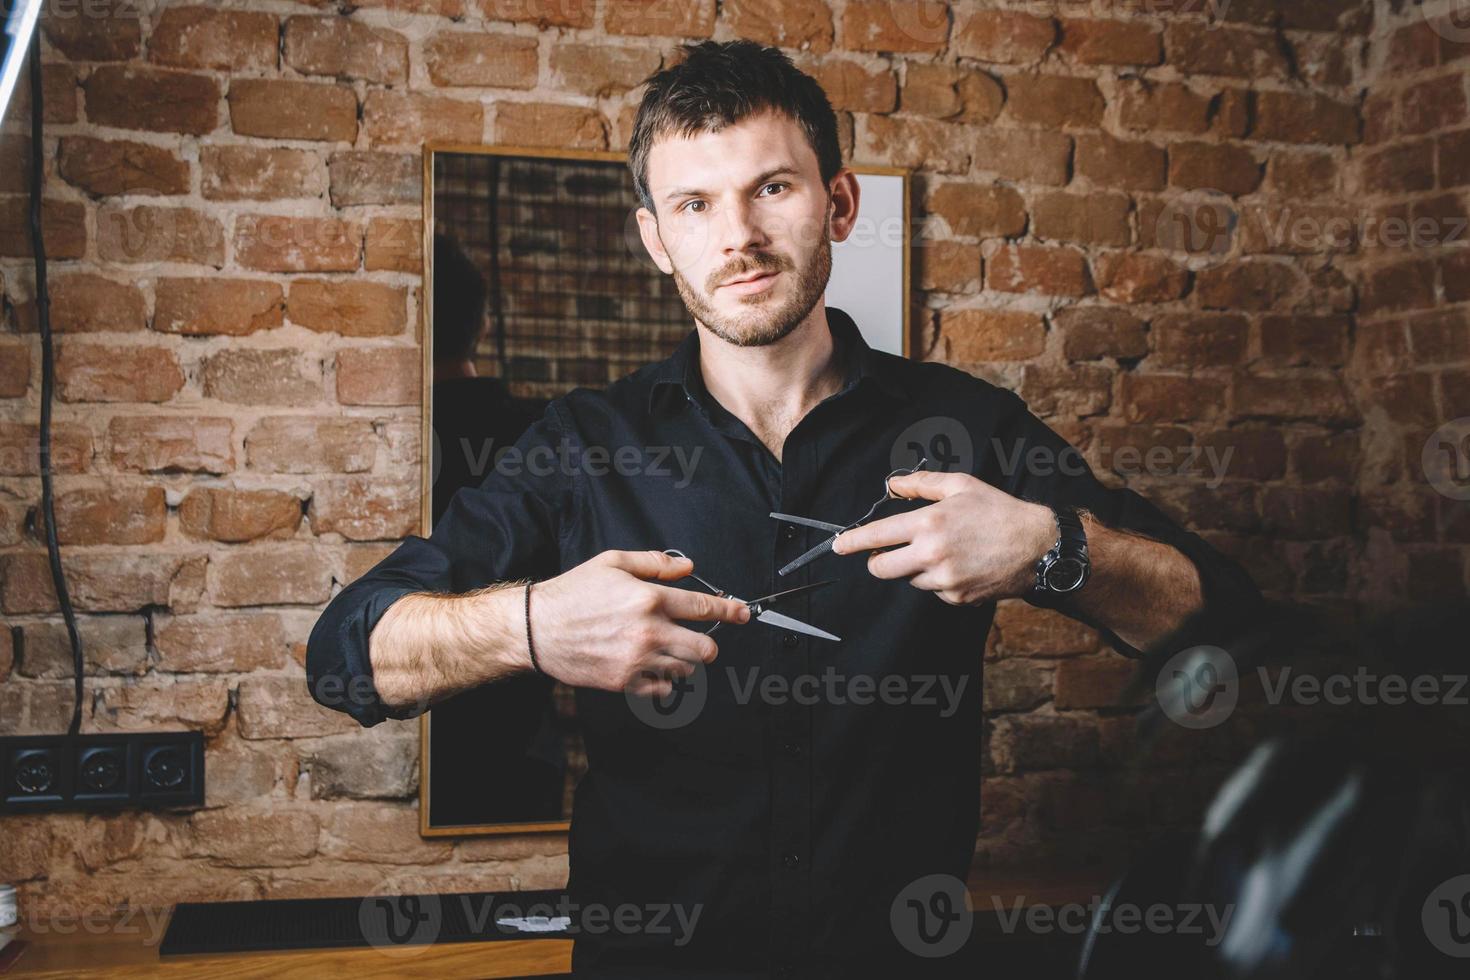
774, 183
689, 206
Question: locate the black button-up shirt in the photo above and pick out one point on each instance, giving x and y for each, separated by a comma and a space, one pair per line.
798, 784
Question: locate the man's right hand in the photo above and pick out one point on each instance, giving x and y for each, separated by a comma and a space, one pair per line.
607, 624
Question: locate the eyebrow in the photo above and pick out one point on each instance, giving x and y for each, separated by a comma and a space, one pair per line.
767, 175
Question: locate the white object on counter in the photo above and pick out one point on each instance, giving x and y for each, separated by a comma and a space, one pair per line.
9, 910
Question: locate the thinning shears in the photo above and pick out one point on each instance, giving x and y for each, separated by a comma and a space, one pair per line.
760, 608
836, 529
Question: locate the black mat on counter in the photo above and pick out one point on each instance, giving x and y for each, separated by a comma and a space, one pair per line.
378, 920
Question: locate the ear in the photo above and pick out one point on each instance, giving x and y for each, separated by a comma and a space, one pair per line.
844, 206
648, 231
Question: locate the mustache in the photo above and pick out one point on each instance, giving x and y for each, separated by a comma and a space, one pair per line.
768, 262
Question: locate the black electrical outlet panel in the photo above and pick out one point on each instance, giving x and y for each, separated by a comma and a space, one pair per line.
128, 770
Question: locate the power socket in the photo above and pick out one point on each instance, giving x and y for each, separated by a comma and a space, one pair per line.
127, 770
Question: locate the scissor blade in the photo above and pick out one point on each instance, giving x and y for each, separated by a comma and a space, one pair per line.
768, 600
795, 625
807, 522
810, 556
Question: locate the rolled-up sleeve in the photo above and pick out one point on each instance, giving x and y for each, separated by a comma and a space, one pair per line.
1031, 461
507, 527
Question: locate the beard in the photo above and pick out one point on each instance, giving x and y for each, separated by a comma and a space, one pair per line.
762, 321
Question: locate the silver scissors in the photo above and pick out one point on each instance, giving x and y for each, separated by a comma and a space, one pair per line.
836, 529
759, 607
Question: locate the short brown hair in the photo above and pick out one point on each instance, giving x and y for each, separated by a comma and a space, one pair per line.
718, 83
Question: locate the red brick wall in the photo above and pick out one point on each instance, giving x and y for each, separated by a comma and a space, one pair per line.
1099, 191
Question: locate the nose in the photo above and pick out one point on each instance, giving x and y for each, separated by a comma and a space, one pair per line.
743, 232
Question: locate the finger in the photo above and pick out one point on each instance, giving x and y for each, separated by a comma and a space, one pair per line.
648, 686
684, 644
930, 485
666, 664
898, 529
700, 606
649, 564
898, 563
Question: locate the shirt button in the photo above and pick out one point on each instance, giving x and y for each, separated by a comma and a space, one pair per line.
791, 860
790, 639
790, 532
792, 749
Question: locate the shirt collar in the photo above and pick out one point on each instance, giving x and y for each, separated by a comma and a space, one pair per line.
679, 374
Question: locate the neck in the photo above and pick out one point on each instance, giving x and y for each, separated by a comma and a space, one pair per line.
464, 368
771, 387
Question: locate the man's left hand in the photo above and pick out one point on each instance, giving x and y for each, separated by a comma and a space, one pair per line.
974, 544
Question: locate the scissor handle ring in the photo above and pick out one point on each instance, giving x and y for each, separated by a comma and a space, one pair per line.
903, 471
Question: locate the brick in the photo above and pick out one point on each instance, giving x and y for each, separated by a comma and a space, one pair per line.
1093, 682
971, 336
276, 108
171, 444
1038, 269
479, 59
412, 119
106, 168
108, 373
1171, 397
1186, 340
1124, 164
1306, 340
237, 838
1134, 278
1090, 333
1326, 456
365, 177
377, 764
599, 70
110, 645
1300, 174
946, 92
1254, 453
1032, 742
259, 173
201, 307
1014, 685
562, 13
219, 643
71, 448
1163, 106
222, 40
798, 24
111, 515
1291, 117
851, 85
1298, 230
1401, 286
952, 267
307, 444
15, 164
1003, 36
148, 233
151, 99
1292, 397
1436, 104
394, 245
59, 83
1230, 169
352, 308
252, 376
366, 832
102, 582
1404, 168
234, 516
1069, 391
1247, 285
241, 771
911, 142
1230, 116
1454, 159
269, 575
63, 228
275, 243
1438, 338
189, 704
379, 376
109, 30
878, 25
15, 368
365, 508
82, 302
978, 209
1054, 101
1199, 48
672, 18
1111, 42
544, 124
1087, 219
1033, 156
346, 48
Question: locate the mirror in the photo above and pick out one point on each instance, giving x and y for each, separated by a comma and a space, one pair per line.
536, 282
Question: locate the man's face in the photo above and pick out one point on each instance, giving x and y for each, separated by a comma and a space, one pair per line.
745, 202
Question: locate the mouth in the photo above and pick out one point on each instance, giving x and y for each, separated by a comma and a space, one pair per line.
755, 283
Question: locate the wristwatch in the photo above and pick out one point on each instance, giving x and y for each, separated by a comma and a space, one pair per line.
1065, 568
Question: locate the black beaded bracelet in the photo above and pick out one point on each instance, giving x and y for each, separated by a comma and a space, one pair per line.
531, 647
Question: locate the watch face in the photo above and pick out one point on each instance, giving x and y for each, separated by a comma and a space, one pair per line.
1065, 574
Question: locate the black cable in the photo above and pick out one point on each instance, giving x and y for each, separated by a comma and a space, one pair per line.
48, 380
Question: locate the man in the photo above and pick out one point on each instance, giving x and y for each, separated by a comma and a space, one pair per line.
788, 826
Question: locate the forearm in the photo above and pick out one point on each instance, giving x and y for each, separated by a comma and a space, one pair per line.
429, 647
1139, 588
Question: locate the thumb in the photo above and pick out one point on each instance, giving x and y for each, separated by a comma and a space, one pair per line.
929, 484
651, 564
